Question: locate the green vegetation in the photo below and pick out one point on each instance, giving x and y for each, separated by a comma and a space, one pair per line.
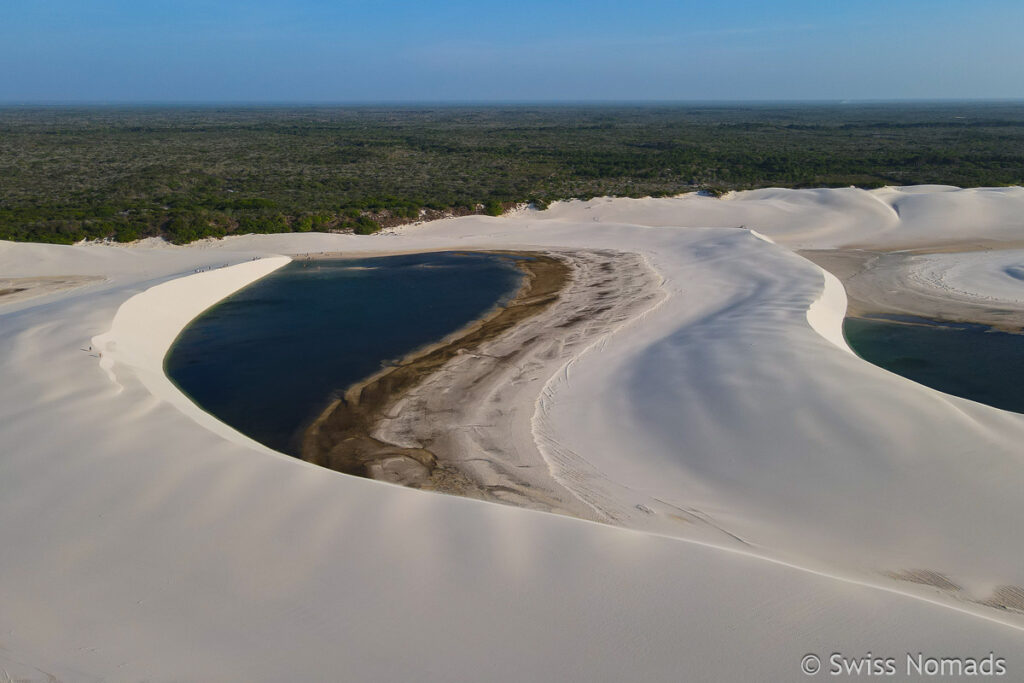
73, 173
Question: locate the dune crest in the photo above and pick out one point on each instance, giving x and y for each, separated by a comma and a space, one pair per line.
777, 494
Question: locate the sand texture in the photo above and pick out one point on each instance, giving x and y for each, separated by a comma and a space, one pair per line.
751, 490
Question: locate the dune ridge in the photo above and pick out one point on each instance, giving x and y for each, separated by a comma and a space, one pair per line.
718, 424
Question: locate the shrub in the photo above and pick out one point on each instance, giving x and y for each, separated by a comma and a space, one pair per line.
365, 226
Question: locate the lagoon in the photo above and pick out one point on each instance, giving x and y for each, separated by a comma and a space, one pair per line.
268, 359
966, 360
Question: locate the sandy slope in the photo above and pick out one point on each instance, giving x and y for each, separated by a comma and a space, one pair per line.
767, 474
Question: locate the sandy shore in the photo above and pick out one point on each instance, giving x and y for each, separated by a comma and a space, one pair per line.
342, 437
448, 418
914, 283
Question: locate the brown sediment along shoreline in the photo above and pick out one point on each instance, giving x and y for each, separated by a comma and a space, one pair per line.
341, 438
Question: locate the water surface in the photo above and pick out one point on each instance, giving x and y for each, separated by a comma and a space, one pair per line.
268, 359
971, 361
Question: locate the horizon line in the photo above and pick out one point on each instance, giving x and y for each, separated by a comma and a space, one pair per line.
498, 102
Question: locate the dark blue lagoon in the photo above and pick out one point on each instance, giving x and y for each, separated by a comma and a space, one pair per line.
270, 358
971, 361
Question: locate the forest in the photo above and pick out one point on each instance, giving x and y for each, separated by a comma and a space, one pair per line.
185, 173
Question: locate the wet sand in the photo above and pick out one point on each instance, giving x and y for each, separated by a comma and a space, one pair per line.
342, 439
458, 417
883, 283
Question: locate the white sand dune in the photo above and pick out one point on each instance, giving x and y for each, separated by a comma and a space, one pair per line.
780, 495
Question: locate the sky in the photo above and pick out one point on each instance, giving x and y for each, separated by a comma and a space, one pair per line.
320, 51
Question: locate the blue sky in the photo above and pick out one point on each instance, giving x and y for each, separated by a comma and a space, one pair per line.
394, 50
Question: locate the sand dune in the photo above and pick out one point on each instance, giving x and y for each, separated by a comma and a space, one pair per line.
776, 495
